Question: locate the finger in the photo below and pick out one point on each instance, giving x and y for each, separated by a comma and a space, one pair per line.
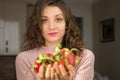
71, 70
33, 71
56, 76
56, 67
47, 73
62, 70
41, 72
52, 73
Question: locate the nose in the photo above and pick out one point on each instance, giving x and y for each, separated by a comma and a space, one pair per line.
51, 25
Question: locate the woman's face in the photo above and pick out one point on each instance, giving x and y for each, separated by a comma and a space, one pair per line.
53, 25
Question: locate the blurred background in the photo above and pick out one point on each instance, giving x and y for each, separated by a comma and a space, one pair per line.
101, 35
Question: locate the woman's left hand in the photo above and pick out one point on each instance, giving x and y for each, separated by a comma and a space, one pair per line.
62, 73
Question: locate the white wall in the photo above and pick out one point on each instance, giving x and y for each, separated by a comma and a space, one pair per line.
85, 11
12, 22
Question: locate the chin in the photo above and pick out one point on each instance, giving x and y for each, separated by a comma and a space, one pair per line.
54, 40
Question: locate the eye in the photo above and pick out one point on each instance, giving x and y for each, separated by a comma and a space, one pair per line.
44, 20
58, 20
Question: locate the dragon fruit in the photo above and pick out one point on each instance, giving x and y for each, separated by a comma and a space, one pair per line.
63, 56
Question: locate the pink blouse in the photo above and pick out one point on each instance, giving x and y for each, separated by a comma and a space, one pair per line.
84, 71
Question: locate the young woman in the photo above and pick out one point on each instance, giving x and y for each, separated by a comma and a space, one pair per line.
50, 24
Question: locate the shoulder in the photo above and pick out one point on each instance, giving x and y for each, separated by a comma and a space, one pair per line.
88, 56
88, 53
26, 53
86, 66
87, 60
27, 56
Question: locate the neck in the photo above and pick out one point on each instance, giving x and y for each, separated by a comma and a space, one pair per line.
51, 45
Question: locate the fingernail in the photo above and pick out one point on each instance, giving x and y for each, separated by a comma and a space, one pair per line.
56, 63
69, 66
60, 65
49, 65
41, 66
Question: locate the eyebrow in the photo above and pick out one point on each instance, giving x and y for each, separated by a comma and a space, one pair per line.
59, 14
55, 15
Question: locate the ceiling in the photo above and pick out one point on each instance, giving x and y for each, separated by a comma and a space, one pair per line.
67, 1
70, 1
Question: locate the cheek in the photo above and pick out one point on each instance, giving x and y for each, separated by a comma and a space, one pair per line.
63, 28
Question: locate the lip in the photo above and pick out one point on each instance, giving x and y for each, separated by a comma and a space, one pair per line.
52, 34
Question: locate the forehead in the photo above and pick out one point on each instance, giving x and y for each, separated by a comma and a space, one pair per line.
51, 10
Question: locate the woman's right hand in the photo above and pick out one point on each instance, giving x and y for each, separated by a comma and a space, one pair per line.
62, 73
46, 74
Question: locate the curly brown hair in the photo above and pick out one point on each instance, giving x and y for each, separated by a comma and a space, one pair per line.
34, 38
